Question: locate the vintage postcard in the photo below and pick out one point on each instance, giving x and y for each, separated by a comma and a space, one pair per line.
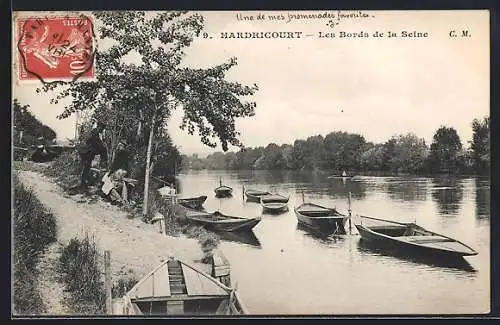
199, 163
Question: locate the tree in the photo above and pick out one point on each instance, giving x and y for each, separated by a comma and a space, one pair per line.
480, 144
314, 152
272, 158
298, 154
29, 125
445, 150
343, 150
150, 90
372, 157
408, 153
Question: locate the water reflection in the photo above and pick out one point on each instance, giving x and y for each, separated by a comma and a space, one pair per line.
324, 238
482, 187
340, 188
313, 182
448, 193
456, 264
275, 212
241, 237
407, 189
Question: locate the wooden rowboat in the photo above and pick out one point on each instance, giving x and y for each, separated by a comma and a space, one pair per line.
274, 203
193, 202
411, 237
177, 288
320, 218
254, 195
223, 191
221, 222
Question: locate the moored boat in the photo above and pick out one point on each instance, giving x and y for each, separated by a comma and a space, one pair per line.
223, 190
221, 222
411, 237
320, 218
274, 203
254, 195
177, 288
193, 202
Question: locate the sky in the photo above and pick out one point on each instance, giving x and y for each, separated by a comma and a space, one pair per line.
374, 86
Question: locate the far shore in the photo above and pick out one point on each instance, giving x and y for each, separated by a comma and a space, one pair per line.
353, 174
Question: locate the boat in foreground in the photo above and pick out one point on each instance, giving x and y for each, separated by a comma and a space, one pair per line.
219, 221
254, 195
411, 237
177, 288
193, 202
274, 203
320, 218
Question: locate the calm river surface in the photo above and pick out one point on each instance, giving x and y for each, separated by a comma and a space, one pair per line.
285, 269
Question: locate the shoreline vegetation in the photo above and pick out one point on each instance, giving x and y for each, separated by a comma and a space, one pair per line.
342, 151
34, 229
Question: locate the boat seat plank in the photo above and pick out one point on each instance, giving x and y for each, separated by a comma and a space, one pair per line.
375, 228
448, 245
199, 285
426, 239
312, 209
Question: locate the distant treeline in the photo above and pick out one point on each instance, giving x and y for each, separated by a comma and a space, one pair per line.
339, 151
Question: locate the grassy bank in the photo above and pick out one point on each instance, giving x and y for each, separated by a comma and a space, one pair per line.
81, 268
34, 228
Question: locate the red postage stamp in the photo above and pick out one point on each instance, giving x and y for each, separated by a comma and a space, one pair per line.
55, 48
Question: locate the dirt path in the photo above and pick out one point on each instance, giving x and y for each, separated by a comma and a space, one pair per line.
136, 247
49, 286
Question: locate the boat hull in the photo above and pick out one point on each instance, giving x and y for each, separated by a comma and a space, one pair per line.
177, 288
193, 203
274, 207
219, 222
254, 196
325, 225
230, 226
375, 238
223, 192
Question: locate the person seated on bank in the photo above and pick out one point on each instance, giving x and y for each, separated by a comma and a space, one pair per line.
115, 187
121, 159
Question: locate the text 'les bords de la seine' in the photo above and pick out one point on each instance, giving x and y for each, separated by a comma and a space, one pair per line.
340, 34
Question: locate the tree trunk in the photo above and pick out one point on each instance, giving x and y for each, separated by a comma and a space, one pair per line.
148, 173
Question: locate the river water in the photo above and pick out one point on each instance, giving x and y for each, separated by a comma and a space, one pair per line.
285, 269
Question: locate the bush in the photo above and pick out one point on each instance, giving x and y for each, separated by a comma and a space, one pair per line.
27, 298
174, 215
67, 163
122, 286
80, 270
34, 228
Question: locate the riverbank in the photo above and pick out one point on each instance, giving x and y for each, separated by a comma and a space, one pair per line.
136, 247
